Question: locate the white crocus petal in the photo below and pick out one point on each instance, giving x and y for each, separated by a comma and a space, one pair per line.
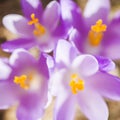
9, 21
13, 23
56, 84
50, 98
64, 107
93, 105
65, 52
86, 65
15, 55
5, 70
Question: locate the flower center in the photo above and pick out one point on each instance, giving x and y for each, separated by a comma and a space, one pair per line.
76, 84
23, 81
95, 35
39, 28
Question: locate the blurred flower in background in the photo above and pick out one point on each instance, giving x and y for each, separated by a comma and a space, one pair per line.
96, 34
40, 27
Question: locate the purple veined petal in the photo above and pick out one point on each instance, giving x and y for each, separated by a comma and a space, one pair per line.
93, 105
96, 9
64, 107
51, 15
25, 43
65, 52
77, 39
71, 14
86, 64
107, 85
5, 70
8, 95
105, 64
13, 22
30, 6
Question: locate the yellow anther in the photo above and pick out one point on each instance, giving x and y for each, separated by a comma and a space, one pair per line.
39, 29
34, 20
77, 84
80, 85
23, 81
95, 38
74, 76
95, 35
99, 27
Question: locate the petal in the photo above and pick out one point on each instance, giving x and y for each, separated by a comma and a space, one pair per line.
50, 63
114, 25
51, 20
56, 82
105, 64
93, 105
71, 14
30, 6
13, 22
77, 39
42, 62
64, 107
86, 64
21, 57
5, 70
112, 50
112, 35
8, 95
49, 45
96, 9
65, 52
107, 85
61, 30
25, 43
31, 107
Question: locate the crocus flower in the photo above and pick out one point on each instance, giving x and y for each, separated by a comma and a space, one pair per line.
93, 32
24, 82
79, 81
37, 27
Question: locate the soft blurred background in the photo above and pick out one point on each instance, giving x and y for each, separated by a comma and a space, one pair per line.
13, 6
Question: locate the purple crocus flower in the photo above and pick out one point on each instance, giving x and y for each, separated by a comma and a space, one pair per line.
38, 27
24, 82
77, 80
93, 32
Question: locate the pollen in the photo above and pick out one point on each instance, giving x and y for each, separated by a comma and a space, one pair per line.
39, 29
96, 33
76, 84
23, 81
